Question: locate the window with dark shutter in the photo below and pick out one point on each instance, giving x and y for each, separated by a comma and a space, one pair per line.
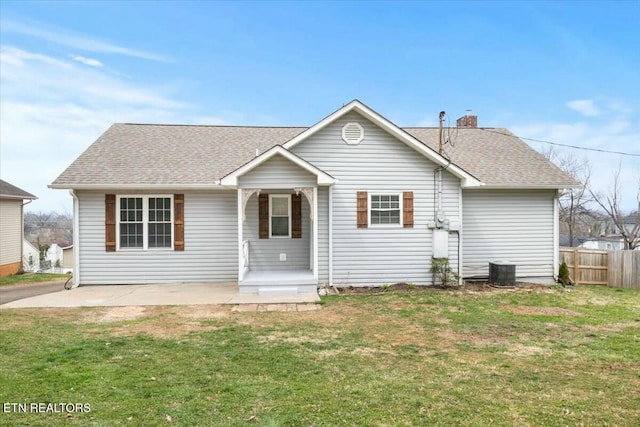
110, 222
407, 209
363, 209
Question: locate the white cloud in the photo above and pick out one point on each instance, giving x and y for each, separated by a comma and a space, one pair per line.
87, 61
52, 109
76, 41
613, 130
586, 107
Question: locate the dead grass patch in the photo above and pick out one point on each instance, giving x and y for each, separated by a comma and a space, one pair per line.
113, 314
203, 311
448, 338
294, 339
540, 311
517, 349
161, 329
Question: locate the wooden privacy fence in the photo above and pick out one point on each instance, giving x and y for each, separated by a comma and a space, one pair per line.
624, 269
619, 269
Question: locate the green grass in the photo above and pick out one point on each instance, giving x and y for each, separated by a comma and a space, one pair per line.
17, 279
414, 358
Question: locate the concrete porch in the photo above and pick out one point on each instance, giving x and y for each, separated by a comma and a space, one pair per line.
278, 282
163, 294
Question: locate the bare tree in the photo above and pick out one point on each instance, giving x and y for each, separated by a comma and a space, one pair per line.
573, 210
627, 225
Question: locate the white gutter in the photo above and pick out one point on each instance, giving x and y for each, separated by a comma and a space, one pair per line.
76, 239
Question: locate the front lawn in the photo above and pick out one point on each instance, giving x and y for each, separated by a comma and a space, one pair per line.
415, 358
17, 279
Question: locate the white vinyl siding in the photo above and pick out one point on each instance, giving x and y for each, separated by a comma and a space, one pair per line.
380, 164
10, 231
508, 225
264, 254
277, 172
210, 255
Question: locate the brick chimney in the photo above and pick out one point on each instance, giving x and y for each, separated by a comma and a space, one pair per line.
467, 121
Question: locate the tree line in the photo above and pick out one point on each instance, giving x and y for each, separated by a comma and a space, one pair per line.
585, 211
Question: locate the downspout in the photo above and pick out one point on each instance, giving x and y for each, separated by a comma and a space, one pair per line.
460, 229
76, 239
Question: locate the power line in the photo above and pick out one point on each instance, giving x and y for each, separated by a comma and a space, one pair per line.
562, 145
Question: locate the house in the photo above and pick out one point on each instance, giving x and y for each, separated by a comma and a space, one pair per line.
53, 258
631, 224
12, 201
30, 257
606, 243
352, 200
67, 259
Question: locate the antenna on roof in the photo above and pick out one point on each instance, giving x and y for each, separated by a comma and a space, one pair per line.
257, 152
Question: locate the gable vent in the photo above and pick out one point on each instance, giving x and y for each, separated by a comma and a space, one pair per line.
352, 133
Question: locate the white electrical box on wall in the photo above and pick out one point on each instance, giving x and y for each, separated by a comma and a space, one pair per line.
440, 243
283, 257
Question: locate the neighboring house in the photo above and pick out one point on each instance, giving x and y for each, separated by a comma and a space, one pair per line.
67, 259
632, 225
30, 257
608, 243
352, 200
54, 258
12, 200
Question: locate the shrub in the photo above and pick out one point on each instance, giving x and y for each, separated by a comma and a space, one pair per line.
441, 270
563, 274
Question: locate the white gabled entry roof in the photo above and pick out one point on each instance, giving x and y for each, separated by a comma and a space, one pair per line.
467, 180
231, 180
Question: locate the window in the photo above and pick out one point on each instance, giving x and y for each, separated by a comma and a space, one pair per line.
131, 223
385, 209
280, 215
159, 222
145, 222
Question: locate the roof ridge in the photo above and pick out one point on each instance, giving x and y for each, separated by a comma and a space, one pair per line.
452, 127
215, 126
286, 127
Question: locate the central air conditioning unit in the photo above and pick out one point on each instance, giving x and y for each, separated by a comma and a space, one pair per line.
502, 273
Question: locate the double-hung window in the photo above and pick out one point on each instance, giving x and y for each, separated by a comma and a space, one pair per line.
385, 209
280, 215
145, 222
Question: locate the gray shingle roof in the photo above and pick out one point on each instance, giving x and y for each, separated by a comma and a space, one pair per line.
496, 157
175, 155
128, 154
10, 191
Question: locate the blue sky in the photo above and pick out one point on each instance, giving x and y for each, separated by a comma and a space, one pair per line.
565, 72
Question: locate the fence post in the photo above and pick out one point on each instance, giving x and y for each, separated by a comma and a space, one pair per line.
576, 268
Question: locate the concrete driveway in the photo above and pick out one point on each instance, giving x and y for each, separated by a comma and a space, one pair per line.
15, 292
165, 294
